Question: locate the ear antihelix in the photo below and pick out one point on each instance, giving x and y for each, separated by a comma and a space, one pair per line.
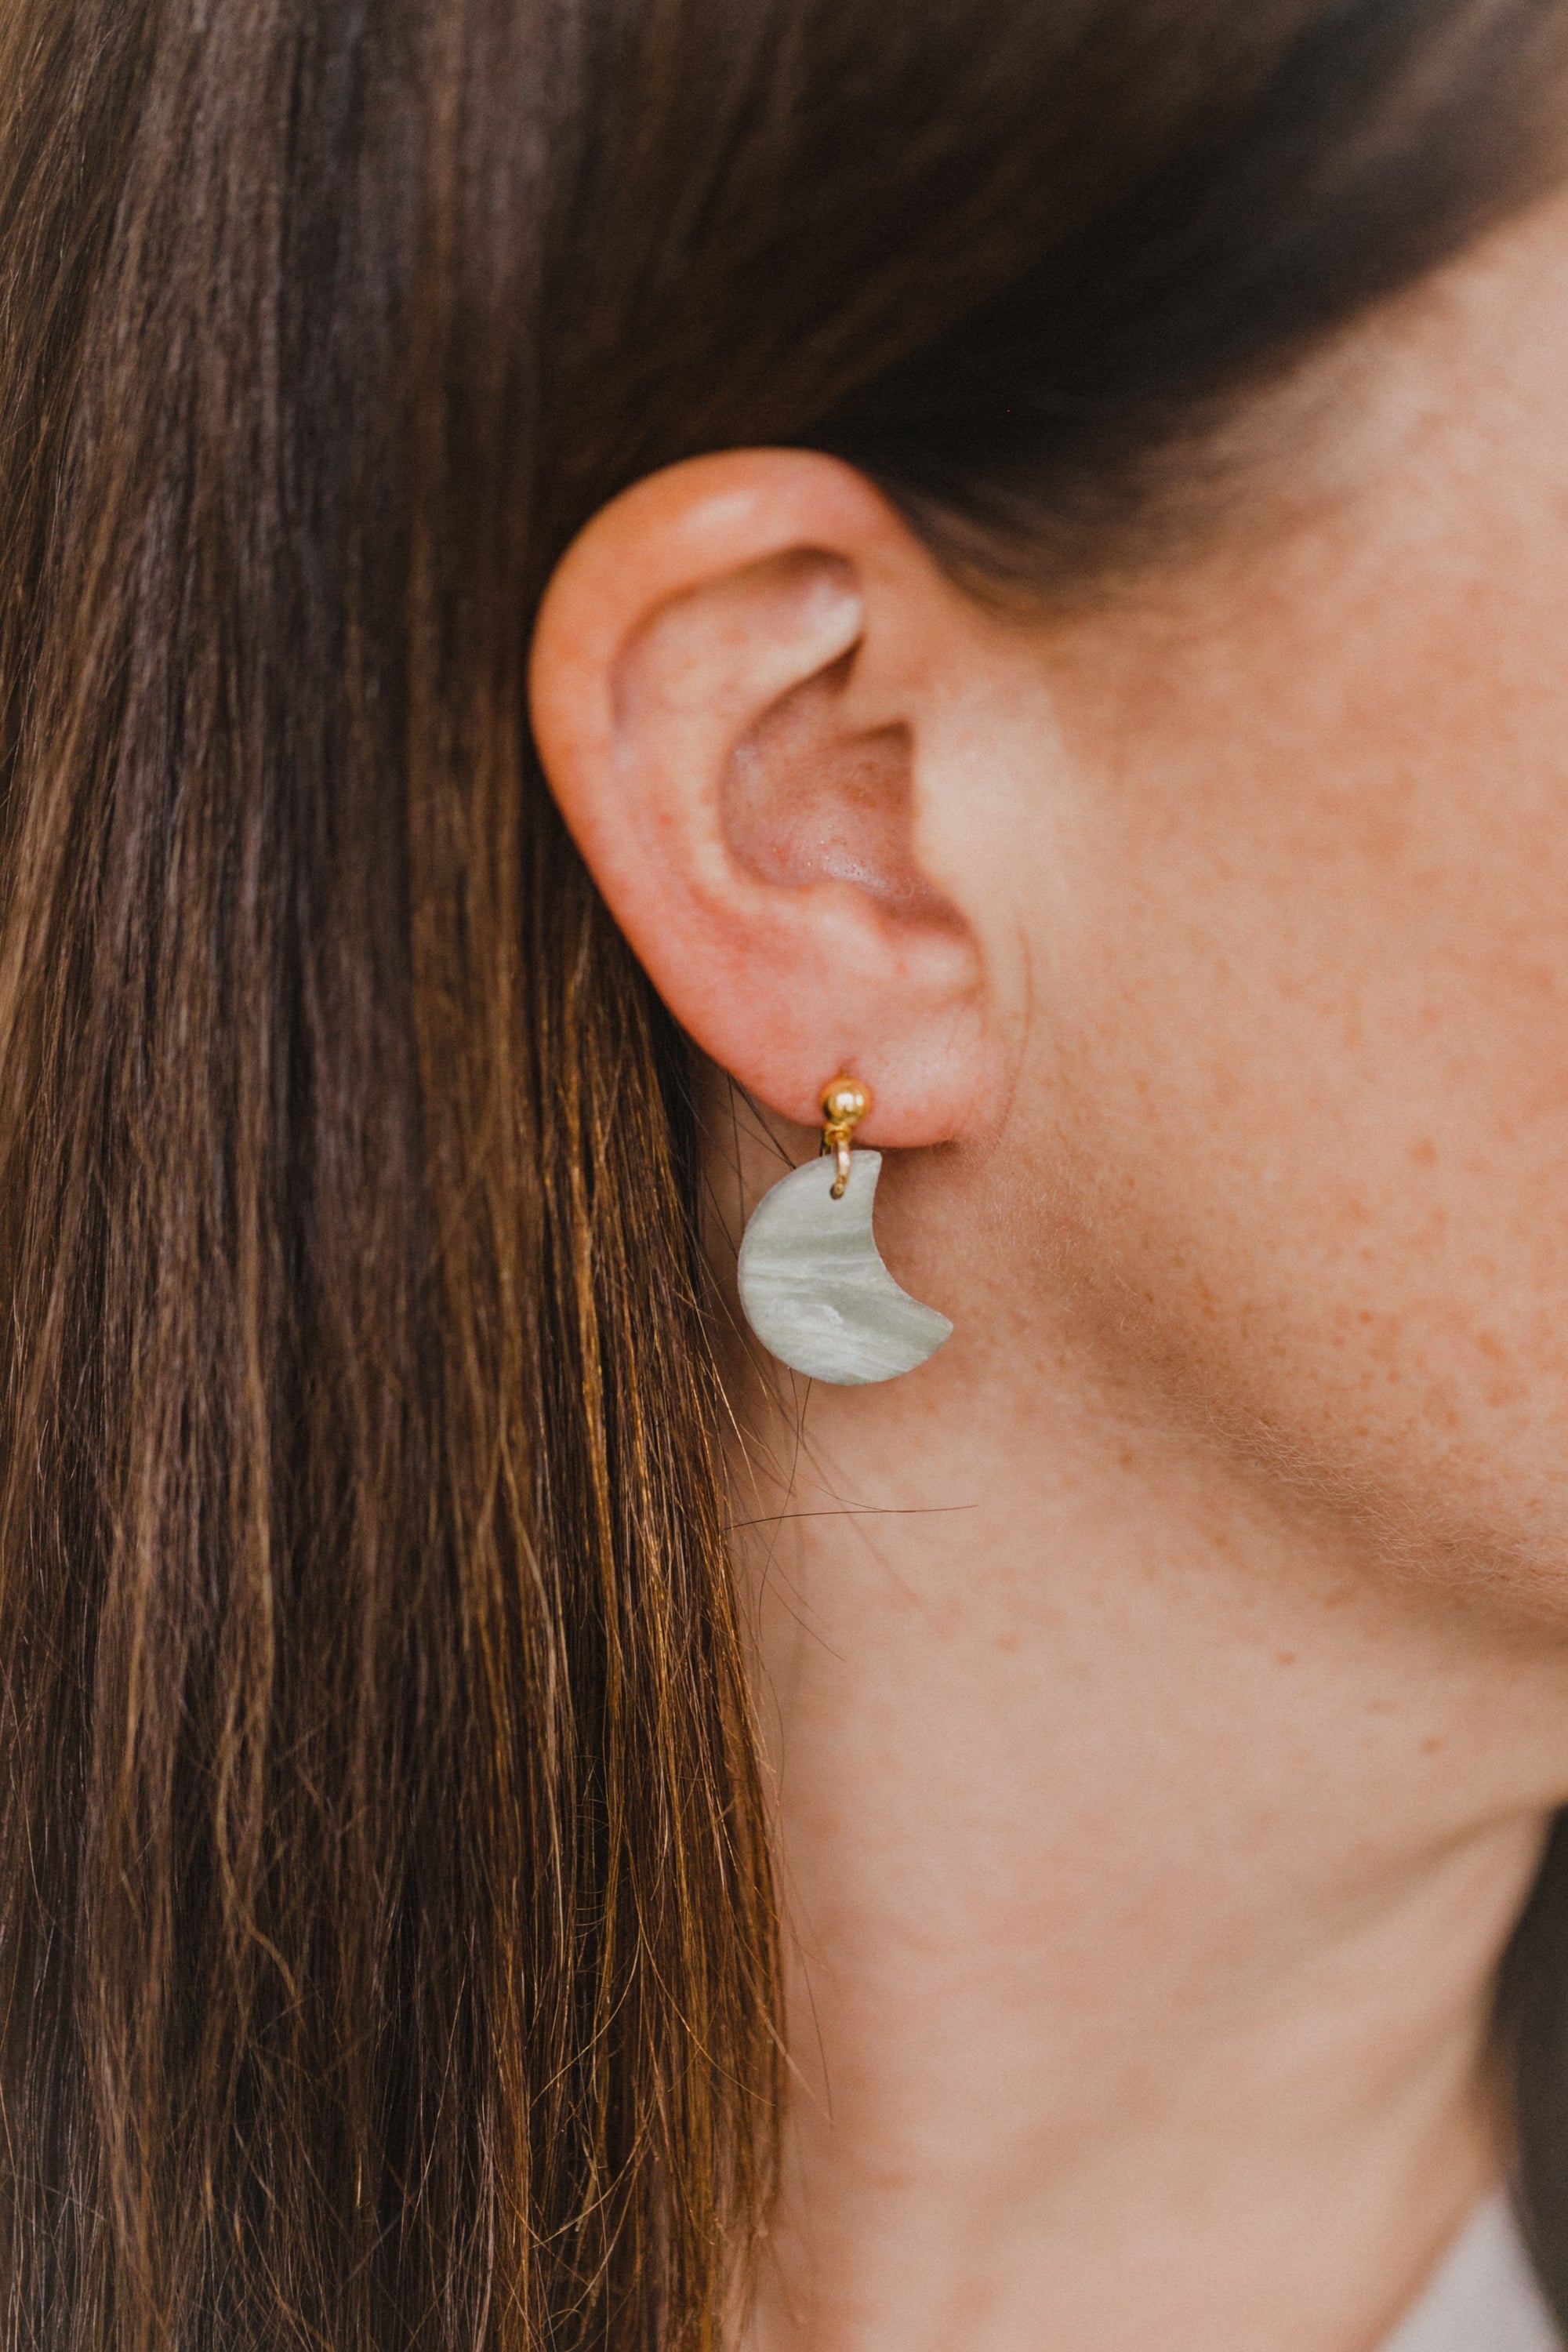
812, 1281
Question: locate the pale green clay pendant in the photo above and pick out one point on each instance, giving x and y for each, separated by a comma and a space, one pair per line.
813, 1287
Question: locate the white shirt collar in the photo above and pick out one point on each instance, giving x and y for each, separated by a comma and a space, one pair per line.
1483, 2298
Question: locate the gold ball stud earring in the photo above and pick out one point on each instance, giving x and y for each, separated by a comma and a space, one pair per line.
844, 1104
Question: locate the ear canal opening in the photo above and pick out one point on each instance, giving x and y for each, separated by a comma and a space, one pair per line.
806, 800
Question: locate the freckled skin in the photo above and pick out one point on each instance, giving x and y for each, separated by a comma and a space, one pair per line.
1221, 1612
1295, 1109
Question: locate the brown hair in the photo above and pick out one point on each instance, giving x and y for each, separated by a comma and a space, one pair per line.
388, 1952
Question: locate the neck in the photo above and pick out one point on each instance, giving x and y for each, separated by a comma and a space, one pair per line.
1147, 1854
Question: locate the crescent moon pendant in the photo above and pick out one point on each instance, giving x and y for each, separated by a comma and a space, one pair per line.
815, 1288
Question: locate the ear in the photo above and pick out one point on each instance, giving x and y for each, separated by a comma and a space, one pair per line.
737, 682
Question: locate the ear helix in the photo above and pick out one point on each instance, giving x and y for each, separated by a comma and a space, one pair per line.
812, 1281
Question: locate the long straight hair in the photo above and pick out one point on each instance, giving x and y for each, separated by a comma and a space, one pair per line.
387, 1944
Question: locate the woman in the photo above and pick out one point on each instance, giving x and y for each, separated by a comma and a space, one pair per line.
574, 574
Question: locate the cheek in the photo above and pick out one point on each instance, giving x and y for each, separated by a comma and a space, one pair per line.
1310, 1075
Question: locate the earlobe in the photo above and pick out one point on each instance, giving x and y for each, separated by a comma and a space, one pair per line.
718, 685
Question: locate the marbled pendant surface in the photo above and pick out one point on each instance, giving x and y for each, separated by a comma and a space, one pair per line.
815, 1288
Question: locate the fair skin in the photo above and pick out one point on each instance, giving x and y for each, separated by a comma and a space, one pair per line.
1167, 1686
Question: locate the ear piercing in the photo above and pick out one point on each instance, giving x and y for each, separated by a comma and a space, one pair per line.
811, 1280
